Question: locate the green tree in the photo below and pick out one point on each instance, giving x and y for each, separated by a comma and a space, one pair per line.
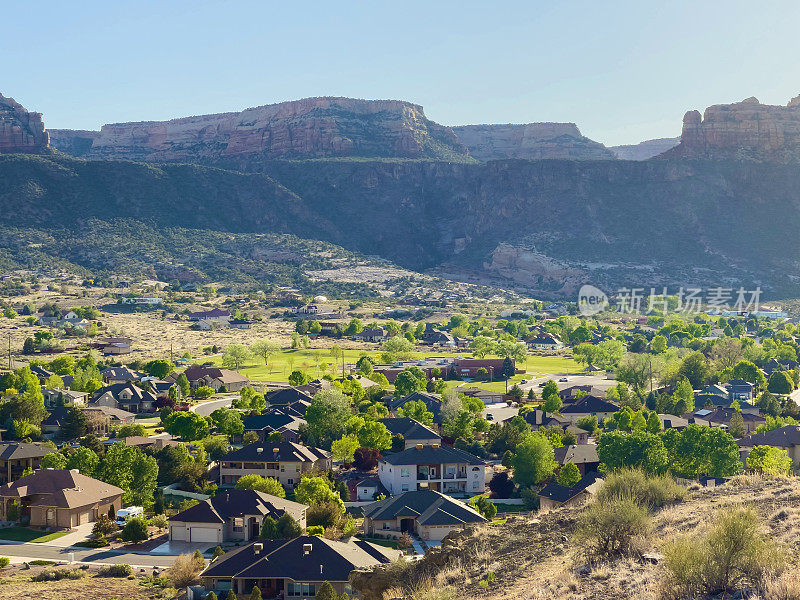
410, 380
129, 469
183, 384
327, 415
769, 460
267, 485
265, 349
203, 392
736, 426
641, 449
568, 475
316, 490
326, 592
187, 425
75, 424
344, 448
227, 421
375, 435
235, 356
552, 403
288, 528
533, 460
658, 345
364, 365
135, 530
698, 450
748, 371
85, 460
159, 368
131, 430
298, 378
417, 410
269, 528
54, 460
780, 382
653, 423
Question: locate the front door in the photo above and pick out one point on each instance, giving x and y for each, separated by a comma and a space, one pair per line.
406, 525
255, 530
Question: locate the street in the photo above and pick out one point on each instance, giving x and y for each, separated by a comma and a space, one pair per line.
206, 408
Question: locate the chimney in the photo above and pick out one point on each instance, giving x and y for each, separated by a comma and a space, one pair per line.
435, 446
320, 569
259, 450
307, 549
419, 446
276, 450
258, 547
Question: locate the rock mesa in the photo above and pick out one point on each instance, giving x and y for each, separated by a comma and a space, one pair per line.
20, 130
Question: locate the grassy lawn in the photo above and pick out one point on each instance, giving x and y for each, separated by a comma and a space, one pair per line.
310, 361
24, 534
511, 508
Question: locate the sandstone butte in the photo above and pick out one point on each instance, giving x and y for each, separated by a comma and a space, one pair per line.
312, 127
20, 130
742, 130
529, 141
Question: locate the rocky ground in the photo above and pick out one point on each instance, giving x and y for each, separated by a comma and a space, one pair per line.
538, 556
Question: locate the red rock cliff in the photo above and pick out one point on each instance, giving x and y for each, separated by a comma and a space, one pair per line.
20, 130
746, 129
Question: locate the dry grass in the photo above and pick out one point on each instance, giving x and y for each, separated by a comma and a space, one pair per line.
16, 584
538, 556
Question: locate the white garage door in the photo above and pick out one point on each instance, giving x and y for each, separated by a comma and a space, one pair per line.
202, 534
177, 533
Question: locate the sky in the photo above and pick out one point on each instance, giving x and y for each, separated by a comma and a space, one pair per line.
622, 71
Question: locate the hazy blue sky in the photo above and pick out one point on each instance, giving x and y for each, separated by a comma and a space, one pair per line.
623, 71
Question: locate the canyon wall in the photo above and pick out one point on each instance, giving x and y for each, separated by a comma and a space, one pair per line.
20, 130
742, 130
309, 128
644, 150
529, 141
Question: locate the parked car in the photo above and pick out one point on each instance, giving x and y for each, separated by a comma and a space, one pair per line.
563, 379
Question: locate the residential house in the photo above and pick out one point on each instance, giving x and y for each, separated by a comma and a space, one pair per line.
284, 461
486, 396
215, 378
120, 375
786, 438
372, 335
439, 468
739, 389
159, 387
413, 432
292, 400
721, 417
469, 367
231, 516
273, 420
588, 406
101, 419
114, 345
784, 364
545, 341
215, 315
554, 495
673, 422
713, 401
126, 396
60, 498
365, 489
432, 402
435, 337
293, 569
428, 514
59, 397
42, 373
583, 456
16, 457
240, 323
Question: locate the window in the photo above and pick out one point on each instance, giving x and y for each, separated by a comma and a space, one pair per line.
290, 481
238, 524
404, 488
386, 525
475, 485
405, 472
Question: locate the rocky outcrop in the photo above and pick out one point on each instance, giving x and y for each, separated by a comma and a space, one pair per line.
644, 150
529, 141
20, 130
309, 128
75, 142
743, 130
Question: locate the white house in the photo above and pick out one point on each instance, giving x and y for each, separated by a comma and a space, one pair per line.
438, 468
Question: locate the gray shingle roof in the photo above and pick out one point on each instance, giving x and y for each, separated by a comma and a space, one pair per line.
278, 452
234, 503
409, 428
430, 454
427, 506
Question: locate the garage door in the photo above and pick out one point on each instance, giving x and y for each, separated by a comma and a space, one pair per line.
177, 533
203, 534
84, 518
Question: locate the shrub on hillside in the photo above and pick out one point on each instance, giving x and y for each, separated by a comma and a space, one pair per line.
184, 571
608, 527
730, 556
120, 570
650, 491
58, 575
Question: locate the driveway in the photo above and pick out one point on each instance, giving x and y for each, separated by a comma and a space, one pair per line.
177, 548
78, 534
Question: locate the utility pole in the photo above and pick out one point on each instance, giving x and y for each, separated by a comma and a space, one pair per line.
170, 353
9, 352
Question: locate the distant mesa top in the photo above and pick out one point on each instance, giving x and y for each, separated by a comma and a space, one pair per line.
20, 130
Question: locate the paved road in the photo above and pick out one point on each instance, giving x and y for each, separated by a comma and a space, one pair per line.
28, 551
206, 408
